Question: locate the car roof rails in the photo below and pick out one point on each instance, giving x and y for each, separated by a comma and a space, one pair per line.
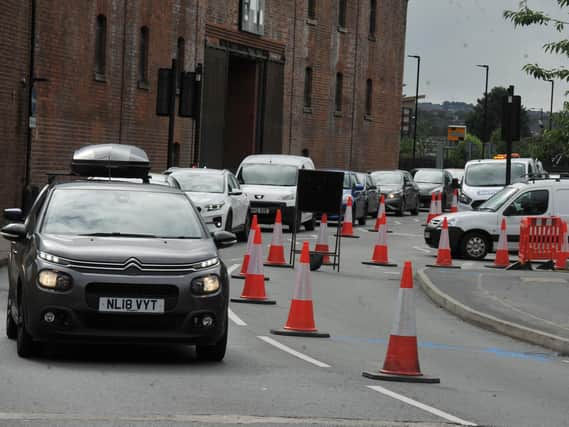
111, 161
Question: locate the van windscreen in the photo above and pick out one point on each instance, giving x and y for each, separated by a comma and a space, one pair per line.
493, 174
268, 174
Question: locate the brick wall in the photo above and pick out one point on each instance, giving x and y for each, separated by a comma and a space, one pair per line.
14, 79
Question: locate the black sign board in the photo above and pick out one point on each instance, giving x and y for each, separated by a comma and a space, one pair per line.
511, 112
320, 191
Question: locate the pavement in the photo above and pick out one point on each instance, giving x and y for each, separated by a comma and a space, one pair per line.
4, 248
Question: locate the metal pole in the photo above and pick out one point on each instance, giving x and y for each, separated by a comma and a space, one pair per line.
551, 106
418, 58
485, 130
510, 113
198, 113
172, 111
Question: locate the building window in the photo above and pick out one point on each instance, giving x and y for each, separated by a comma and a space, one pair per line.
369, 96
100, 47
372, 17
339, 88
143, 57
342, 14
252, 16
181, 59
311, 9
308, 87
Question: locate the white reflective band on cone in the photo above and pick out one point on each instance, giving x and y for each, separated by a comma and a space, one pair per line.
277, 239
250, 240
381, 235
322, 234
348, 213
444, 241
303, 288
404, 323
256, 260
502, 241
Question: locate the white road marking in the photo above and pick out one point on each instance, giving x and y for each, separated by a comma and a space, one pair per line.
565, 361
467, 265
235, 319
427, 251
407, 235
231, 269
397, 222
420, 405
293, 352
415, 219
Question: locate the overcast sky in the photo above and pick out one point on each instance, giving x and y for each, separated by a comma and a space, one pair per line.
452, 36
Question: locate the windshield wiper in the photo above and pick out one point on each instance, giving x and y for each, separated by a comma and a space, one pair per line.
119, 234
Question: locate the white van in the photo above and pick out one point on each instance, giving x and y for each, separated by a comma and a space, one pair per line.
269, 181
485, 177
473, 234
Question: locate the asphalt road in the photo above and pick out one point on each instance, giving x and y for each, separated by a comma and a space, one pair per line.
267, 380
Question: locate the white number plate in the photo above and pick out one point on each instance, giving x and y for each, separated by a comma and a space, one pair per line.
131, 305
261, 210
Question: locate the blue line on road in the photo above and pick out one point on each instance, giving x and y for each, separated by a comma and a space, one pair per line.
430, 345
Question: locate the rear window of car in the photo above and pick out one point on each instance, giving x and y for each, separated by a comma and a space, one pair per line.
121, 212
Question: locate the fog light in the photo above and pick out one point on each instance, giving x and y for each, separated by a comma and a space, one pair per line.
49, 317
207, 321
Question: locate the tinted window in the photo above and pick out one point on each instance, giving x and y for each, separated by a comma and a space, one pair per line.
387, 178
154, 214
200, 182
260, 174
348, 181
492, 174
530, 203
429, 176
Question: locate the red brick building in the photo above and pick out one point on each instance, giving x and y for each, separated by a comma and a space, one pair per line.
276, 76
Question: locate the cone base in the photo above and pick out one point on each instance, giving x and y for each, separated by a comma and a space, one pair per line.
518, 265
297, 333
350, 236
275, 264
379, 264
401, 378
442, 266
499, 267
242, 277
254, 301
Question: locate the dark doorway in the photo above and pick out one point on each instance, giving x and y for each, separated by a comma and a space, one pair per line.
240, 137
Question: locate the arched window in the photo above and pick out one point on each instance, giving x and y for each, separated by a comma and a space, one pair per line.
339, 89
100, 46
143, 56
369, 96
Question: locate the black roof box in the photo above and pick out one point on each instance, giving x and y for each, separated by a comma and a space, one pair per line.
111, 160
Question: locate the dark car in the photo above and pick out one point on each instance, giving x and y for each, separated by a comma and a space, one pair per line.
431, 181
400, 191
115, 261
371, 193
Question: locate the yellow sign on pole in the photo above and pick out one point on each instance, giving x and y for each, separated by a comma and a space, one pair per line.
456, 133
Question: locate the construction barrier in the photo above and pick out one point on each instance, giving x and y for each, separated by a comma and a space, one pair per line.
540, 239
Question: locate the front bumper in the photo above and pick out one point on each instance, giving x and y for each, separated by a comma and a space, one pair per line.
432, 235
266, 212
78, 317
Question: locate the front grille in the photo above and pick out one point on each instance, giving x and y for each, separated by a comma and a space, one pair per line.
94, 291
132, 321
131, 266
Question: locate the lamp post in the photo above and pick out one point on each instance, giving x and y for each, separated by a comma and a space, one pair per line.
485, 131
418, 58
551, 106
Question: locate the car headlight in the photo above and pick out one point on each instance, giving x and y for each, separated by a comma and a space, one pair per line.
394, 195
205, 285
208, 263
288, 197
56, 280
214, 206
48, 257
464, 199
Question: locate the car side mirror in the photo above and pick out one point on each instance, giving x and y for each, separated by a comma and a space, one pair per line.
14, 214
224, 238
14, 232
236, 193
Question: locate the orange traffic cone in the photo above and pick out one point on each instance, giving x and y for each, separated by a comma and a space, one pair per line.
454, 203
440, 207
563, 252
245, 263
300, 321
380, 256
502, 256
432, 208
380, 213
402, 358
322, 246
254, 287
276, 249
444, 258
347, 224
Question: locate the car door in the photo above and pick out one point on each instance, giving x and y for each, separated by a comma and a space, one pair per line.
239, 200
372, 195
529, 203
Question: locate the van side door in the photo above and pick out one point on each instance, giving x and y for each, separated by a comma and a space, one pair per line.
529, 203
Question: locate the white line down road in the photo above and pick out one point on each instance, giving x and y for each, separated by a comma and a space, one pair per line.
295, 353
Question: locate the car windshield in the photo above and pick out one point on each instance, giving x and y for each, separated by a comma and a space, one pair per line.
429, 176
269, 174
387, 178
347, 181
492, 174
200, 182
497, 200
121, 213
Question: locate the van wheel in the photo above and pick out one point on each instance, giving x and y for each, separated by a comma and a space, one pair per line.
243, 235
474, 245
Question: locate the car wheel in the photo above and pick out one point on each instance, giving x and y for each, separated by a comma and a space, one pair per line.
243, 235
474, 245
11, 326
415, 210
310, 225
26, 346
214, 352
229, 222
401, 210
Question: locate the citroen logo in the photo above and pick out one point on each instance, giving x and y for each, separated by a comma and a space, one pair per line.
259, 196
133, 262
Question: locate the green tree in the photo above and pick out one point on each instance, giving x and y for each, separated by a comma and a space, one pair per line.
475, 120
524, 17
459, 154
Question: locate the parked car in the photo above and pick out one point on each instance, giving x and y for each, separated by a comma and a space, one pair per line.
114, 261
269, 181
217, 196
429, 181
399, 189
473, 234
371, 193
485, 177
